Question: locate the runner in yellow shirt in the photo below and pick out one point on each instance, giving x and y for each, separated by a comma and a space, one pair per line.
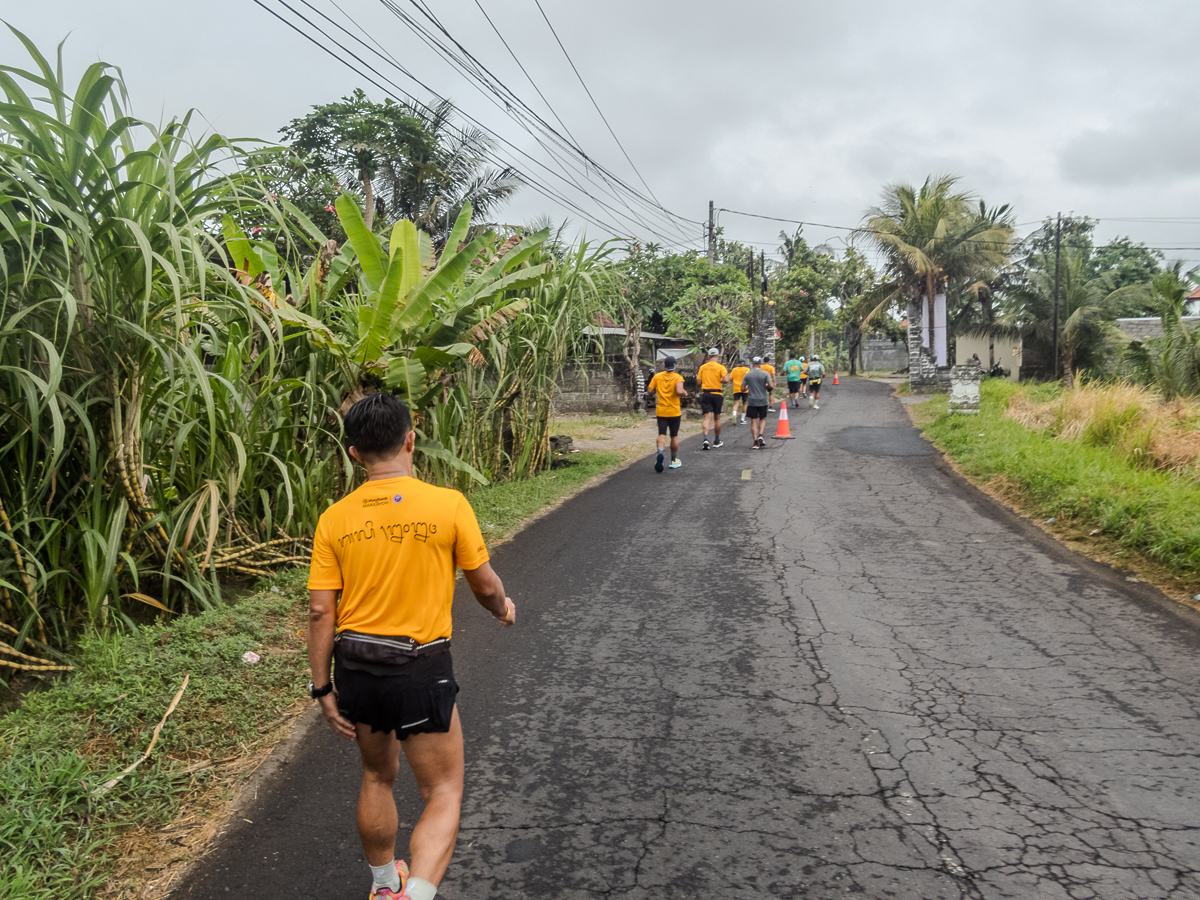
667, 387
380, 590
712, 377
770, 370
739, 394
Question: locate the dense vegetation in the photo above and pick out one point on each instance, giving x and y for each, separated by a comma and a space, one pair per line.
173, 374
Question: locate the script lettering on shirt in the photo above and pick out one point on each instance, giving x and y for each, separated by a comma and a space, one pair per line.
395, 533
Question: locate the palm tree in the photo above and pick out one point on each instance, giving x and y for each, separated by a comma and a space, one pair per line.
933, 234
431, 181
1175, 371
1084, 309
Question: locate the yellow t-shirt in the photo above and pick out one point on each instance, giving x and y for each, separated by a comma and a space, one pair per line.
710, 375
769, 369
738, 374
666, 400
391, 547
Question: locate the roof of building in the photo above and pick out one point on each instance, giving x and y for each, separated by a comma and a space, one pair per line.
1194, 295
613, 329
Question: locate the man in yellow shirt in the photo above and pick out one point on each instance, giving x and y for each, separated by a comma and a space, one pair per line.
667, 387
739, 395
712, 377
770, 370
380, 586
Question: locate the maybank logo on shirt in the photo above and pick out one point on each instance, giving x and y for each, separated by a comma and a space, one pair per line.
397, 498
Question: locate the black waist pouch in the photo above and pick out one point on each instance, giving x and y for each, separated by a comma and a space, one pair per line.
379, 654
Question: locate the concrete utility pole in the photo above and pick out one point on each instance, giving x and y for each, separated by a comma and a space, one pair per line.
1057, 257
712, 236
762, 259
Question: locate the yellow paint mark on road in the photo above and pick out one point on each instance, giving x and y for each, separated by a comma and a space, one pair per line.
745, 474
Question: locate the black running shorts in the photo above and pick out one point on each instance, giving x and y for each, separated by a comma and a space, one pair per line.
793, 387
756, 412
711, 402
418, 699
744, 396
815, 384
669, 424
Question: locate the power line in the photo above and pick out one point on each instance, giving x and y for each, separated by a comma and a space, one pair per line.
603, 118
484, 79
545, 190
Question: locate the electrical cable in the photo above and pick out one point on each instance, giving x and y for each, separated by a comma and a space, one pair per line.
545, 190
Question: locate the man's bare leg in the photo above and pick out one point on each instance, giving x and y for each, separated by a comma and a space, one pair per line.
376, 806
674, 446
707, 424
436, 761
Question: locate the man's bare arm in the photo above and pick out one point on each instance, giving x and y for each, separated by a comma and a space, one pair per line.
680, 389
322, 625
488, 589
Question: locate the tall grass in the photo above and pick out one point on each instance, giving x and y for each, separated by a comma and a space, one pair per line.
167, 416
1130, 420
1150, 511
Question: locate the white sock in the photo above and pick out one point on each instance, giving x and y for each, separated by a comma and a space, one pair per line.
386, 877
419, 889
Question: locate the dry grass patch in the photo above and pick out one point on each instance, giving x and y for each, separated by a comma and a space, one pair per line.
1129, 419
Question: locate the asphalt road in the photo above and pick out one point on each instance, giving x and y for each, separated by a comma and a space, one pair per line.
848, 674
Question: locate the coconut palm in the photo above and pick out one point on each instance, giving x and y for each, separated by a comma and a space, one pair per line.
932, 234
1175, 368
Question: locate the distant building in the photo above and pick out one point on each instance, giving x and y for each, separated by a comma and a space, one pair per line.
1191, 304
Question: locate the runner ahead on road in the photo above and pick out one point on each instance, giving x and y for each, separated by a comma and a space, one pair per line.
712, 378
667, 387
382, 578
816, 372
739, 394
794, 371
770, 370
758, 383
803, 377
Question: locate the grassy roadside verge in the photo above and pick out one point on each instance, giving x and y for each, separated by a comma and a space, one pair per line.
58, 838
1090, 497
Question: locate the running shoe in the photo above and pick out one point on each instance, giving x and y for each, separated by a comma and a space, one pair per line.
754, 446
658, 464
675, 464
762, 442
816, 406
719, 443
388, 893
704, 446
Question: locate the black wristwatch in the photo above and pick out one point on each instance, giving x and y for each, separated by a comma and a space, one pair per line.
317, 693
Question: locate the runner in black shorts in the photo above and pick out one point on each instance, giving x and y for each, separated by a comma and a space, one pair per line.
758, 384
669, 425
712, 377
667, 388
386, 629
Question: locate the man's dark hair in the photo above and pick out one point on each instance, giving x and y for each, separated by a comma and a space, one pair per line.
377, 425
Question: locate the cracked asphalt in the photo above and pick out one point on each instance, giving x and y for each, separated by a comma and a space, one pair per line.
849, 674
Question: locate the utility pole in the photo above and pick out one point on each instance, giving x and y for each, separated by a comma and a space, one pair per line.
762, 258
712, 236
1057, 258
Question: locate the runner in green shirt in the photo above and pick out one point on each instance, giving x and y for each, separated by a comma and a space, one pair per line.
794, 370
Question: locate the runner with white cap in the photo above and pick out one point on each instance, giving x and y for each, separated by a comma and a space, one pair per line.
712, 377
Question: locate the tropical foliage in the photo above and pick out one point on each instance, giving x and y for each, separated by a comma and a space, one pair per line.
172, 382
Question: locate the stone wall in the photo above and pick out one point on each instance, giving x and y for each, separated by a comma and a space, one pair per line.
883, 355
924, 377
762, 343
600, 387
1150, 327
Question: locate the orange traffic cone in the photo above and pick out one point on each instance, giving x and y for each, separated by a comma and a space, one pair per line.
835, 376
783, 431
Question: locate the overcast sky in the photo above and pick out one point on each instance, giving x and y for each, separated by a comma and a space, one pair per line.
796, 109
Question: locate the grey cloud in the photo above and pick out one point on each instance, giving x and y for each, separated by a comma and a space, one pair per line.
1152, 147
